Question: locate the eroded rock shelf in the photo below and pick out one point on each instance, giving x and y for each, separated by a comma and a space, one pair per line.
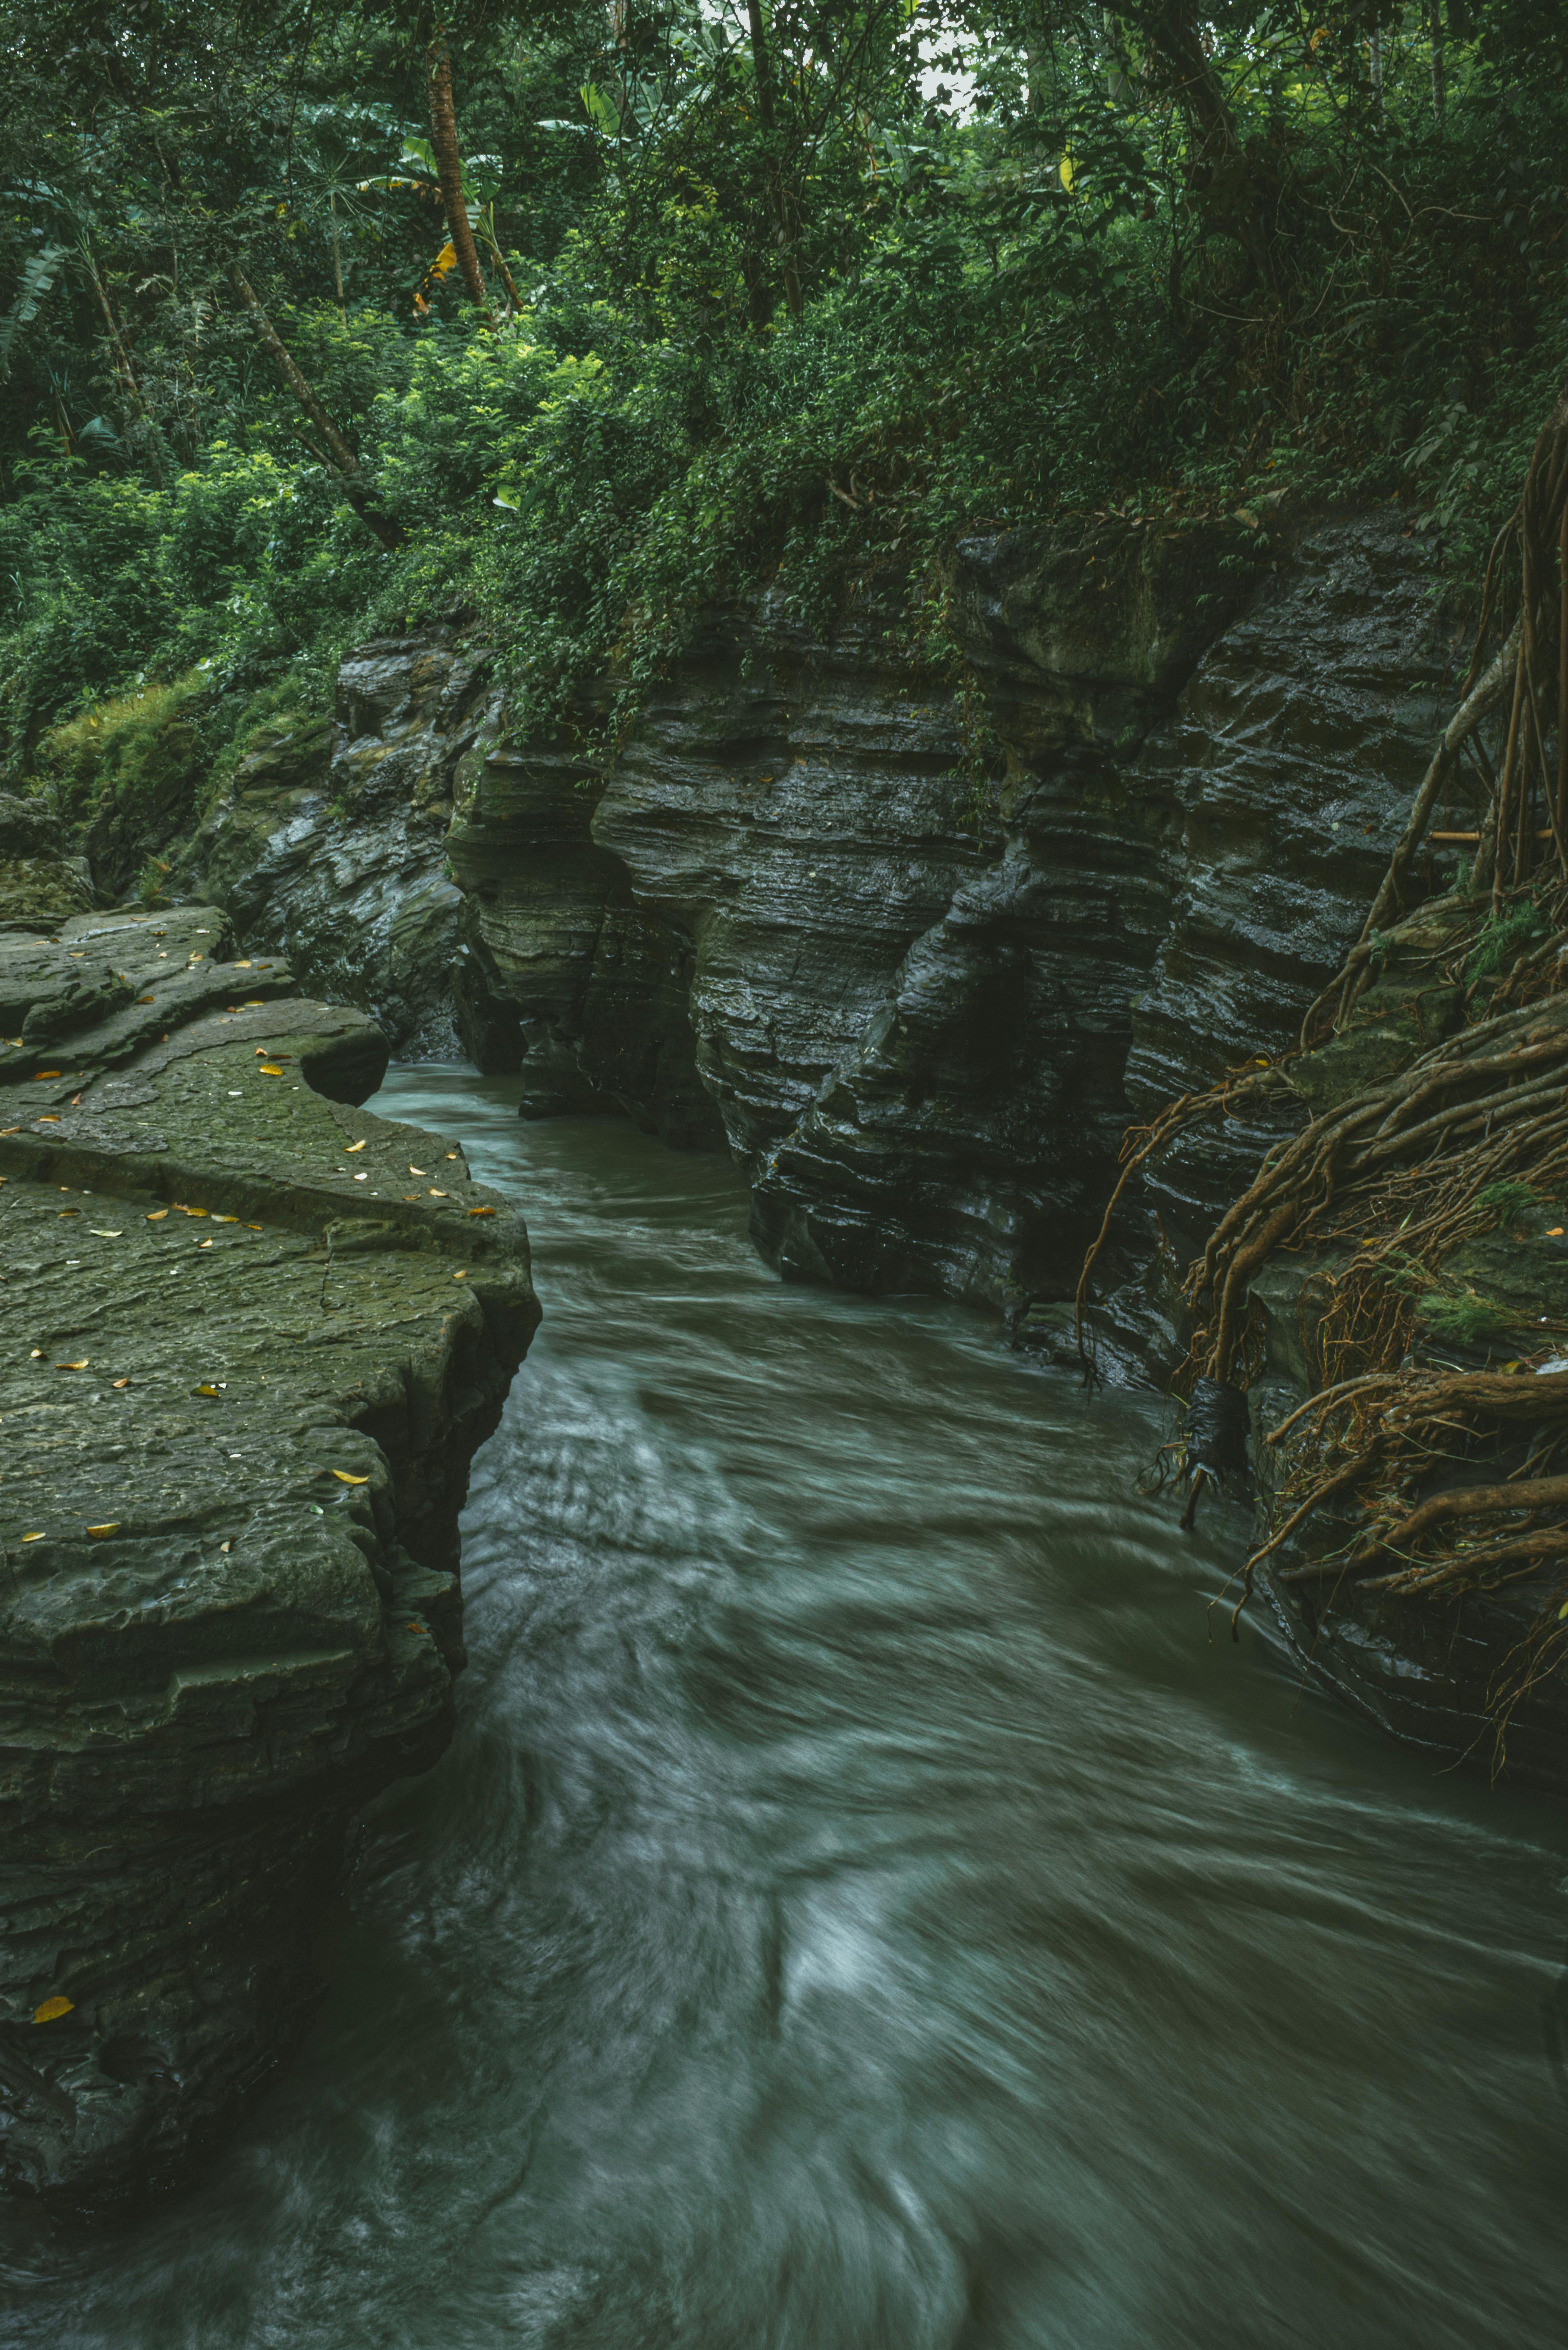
253, 1336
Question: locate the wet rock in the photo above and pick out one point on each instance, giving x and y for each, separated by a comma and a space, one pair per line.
1290, 769
250, 1337
917, 987
329, 846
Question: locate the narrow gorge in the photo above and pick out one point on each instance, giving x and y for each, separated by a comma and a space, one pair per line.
783, 1175
919, 987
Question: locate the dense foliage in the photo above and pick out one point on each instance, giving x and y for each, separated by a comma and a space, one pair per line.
795, 290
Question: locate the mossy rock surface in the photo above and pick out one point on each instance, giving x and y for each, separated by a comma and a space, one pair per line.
250, 1337
40, 886
129, 777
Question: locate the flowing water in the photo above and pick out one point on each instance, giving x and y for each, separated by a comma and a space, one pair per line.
862, 1908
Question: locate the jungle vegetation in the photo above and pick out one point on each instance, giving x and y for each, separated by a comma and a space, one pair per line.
317, 322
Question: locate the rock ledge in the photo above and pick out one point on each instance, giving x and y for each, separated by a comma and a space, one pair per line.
250, 1339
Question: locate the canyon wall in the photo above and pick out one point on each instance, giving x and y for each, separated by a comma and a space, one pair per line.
918, 985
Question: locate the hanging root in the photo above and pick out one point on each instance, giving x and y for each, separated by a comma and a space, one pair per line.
1430, 1479
1189, 1514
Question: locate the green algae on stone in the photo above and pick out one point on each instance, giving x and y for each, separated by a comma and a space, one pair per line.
247, 1353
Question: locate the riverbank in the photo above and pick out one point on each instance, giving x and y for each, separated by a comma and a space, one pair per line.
249, 1354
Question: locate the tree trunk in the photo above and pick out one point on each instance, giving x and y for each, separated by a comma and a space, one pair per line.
1439, 61
1173, 26
778, 201
449, 170
1222, 179
343, 460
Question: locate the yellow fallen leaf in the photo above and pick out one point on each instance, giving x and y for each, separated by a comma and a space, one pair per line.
46, 1121
198, 957
82, 1366
37, 1352
453, 1154
255, 1003
1554, 1231
98, 1234
112, 1528
51, 2009
40, 1075
438, 1195
256, 1228
67, 1212
241, 966
120, 1383
147, 999
460, 1276
156, 1216
207, 1389
344, 1478
224, 1220
269, 1069
32, 1537
481, 1211
412, 1627
204, 1244
352, 1147
416, 1170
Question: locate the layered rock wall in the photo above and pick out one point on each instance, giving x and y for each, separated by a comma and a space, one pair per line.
327, 845
918, 984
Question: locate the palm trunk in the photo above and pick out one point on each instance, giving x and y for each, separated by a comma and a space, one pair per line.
341, 457
449, 170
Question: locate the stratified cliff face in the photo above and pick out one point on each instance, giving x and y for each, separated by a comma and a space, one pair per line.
916, 1000
328, 844
252, 1338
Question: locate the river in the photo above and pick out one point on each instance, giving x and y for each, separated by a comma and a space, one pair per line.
868, 1904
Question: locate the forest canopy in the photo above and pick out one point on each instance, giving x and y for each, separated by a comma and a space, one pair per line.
572, 319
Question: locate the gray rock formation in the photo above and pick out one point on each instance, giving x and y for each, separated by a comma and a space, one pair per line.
329, 844
916, 988
253, 1336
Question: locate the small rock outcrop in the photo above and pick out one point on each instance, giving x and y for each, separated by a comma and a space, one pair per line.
253, 1335
328, 843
